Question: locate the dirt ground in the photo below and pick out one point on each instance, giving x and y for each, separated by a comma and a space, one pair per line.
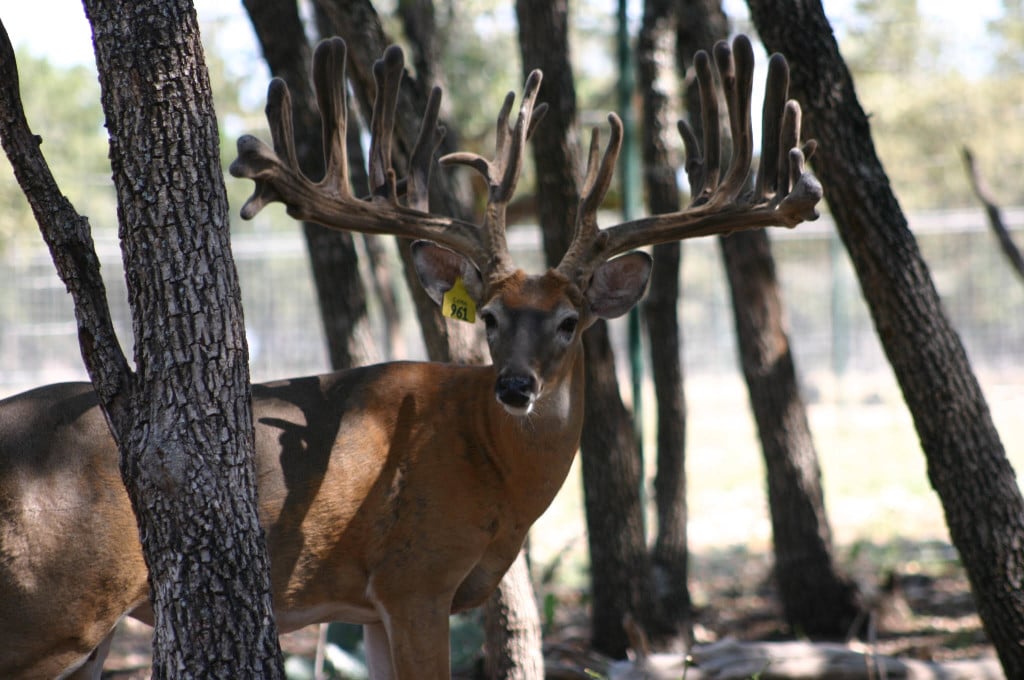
922, 609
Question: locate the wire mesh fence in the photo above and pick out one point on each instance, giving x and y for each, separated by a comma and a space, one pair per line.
830, 328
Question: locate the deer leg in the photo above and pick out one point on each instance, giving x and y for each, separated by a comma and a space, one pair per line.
92, 669
378, 652
418, 634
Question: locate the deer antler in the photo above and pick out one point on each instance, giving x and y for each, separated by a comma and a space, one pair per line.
502, 173
330, 202
785, 194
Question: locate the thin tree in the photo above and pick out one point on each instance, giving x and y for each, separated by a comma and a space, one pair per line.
995, 216
817, 600
670, 554
182, 418
966, 461
619, 563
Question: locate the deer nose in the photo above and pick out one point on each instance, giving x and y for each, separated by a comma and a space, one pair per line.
516, 392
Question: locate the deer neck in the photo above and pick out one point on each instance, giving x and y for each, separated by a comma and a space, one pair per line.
533, 453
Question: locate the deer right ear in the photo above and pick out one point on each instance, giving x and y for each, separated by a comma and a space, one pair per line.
439, 267
619, 284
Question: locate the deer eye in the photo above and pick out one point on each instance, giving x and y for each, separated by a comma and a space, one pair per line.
490, 321
568, 325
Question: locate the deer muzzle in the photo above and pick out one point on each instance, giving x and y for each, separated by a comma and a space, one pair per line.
517, 392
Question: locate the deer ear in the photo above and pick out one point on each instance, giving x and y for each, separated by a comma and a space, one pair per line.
438, 268
619, 284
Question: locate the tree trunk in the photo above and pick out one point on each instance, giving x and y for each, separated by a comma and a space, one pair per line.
332, 254
183, 422
817, 600
670, 554
619, 564
512, 628
967, 464
420, 27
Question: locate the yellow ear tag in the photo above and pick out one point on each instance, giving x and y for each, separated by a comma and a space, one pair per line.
457, 303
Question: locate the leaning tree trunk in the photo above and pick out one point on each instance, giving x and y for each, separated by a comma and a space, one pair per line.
332, 254
670, 555
967, 464
817, 600
183, 421
619, 564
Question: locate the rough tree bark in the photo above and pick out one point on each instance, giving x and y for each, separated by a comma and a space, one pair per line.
817, 600
620, 566
670, 555
966, 461
182, 420
512, 635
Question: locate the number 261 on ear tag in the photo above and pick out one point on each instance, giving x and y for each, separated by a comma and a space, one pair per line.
457, 303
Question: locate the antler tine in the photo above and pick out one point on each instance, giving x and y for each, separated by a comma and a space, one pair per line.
260, 163
502, 172
282, 131
431, 134
387, 73
776, 91
736, 69
597, 182
330, 202
703, 170
331, 97
585, 250
789, 138
799, 191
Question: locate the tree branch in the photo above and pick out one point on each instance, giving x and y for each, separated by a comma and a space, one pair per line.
995, 216
69, 238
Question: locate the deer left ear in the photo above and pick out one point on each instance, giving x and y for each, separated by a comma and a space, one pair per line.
438, 268
619, 284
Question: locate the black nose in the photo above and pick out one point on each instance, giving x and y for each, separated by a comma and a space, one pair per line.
516, 391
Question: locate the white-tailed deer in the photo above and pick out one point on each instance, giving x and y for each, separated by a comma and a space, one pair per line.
391, 495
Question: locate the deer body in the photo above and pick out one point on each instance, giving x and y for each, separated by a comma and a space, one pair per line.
422, 490
372, 483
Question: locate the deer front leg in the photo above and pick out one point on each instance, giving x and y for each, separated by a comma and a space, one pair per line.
378, 652
92, 669
417, 634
